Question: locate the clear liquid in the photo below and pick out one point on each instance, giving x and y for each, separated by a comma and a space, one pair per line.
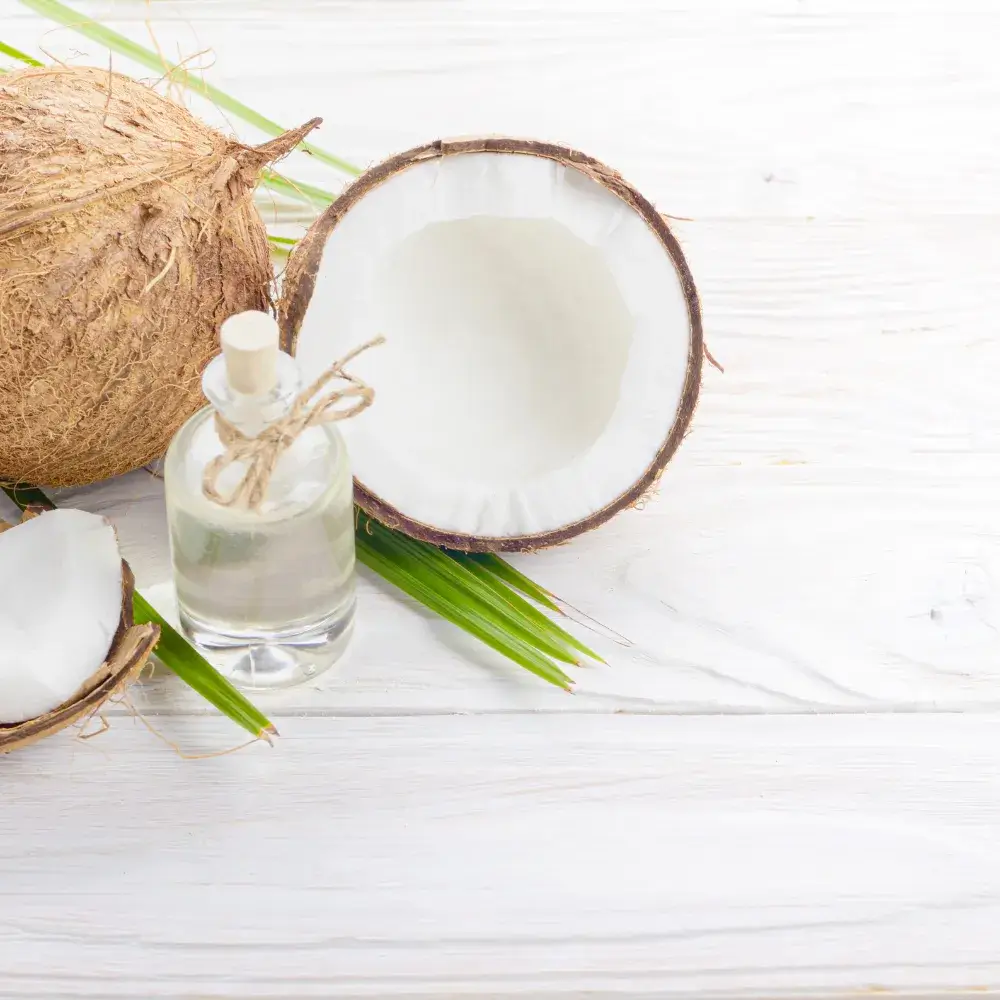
268, 595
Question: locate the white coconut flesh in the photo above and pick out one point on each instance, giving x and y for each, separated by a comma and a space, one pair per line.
61, 606
538, 342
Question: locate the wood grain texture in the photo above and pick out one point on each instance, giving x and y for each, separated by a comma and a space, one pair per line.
824, 552
508, 857
767, 108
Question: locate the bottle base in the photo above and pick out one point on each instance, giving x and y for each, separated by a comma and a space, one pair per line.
261, 660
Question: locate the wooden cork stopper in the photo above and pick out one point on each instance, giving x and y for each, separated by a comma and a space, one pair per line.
250, 347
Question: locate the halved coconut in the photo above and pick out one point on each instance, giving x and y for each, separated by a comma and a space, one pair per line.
544, 339
67, 638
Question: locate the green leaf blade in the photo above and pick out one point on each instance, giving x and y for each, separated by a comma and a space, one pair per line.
504, 571
28, 496
309, 195
490, 599
379, 555
182, 659
522, 606
486, 600
23, 57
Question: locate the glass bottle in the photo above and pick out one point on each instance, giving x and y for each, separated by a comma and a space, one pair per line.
269, 593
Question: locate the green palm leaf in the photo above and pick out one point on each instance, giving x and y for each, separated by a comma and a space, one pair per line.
497, 567
487, 573
451, 602
485, 598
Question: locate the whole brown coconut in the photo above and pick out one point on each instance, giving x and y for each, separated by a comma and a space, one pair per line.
127, 235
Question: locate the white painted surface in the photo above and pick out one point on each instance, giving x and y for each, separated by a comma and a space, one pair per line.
828, 540
485, 856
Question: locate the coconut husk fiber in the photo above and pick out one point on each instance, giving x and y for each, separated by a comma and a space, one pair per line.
127, 235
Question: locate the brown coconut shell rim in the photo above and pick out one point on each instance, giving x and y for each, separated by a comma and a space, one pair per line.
300, 282
130, 649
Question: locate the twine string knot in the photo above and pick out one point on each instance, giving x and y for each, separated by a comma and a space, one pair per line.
261, 452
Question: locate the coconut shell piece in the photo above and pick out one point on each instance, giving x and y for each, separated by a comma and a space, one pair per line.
130, 649
128, 234
300, 281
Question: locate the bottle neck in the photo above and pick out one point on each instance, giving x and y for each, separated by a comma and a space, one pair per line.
251, 414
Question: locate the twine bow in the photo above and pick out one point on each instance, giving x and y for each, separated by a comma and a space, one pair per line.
261, 453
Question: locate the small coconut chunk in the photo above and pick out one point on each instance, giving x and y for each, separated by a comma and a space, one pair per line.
60, 605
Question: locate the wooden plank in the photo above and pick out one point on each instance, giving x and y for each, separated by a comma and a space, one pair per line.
517, 856
723, 110
826, 540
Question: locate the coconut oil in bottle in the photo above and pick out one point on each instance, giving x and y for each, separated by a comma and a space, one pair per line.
267, 589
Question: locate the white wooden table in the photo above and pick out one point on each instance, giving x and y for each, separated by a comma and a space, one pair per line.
790, 784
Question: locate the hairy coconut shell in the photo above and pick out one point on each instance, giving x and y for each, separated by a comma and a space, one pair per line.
300, 281
130, 649
127, 235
